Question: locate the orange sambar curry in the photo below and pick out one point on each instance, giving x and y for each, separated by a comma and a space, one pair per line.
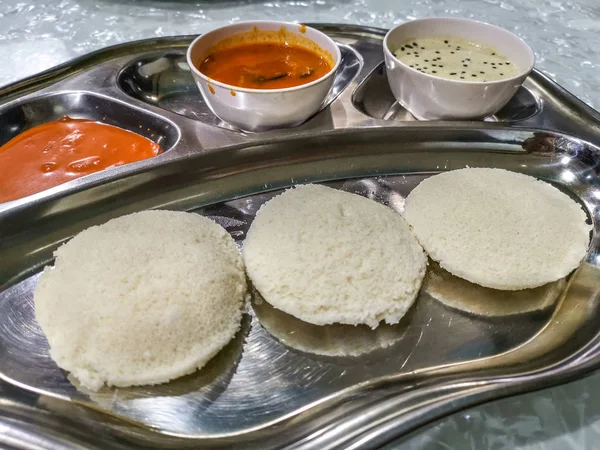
56, 152
264, 65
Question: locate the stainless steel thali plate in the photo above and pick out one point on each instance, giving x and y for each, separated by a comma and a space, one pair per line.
281, 382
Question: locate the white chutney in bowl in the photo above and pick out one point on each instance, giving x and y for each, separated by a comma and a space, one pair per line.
454, 69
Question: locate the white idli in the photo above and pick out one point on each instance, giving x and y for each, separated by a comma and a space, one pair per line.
327, 256
141, 299
500, 229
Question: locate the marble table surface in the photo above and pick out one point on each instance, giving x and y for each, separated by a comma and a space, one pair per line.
36, 35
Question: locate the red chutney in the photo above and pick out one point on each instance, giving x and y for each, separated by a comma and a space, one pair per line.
264, 66
56, 152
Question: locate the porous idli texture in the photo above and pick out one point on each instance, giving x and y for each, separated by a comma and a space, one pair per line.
141, 299
499, 229
327, 256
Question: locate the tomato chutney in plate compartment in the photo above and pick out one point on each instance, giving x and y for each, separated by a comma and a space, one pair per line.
62, 150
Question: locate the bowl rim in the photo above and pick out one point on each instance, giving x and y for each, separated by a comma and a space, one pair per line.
521, 74
337, 57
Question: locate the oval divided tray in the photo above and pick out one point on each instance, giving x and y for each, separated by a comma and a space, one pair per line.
282, 382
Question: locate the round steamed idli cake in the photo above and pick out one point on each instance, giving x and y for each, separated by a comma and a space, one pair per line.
141, 299
327, 256
500, 229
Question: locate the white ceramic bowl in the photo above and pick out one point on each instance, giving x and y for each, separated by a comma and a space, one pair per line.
262, 109
429, 97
